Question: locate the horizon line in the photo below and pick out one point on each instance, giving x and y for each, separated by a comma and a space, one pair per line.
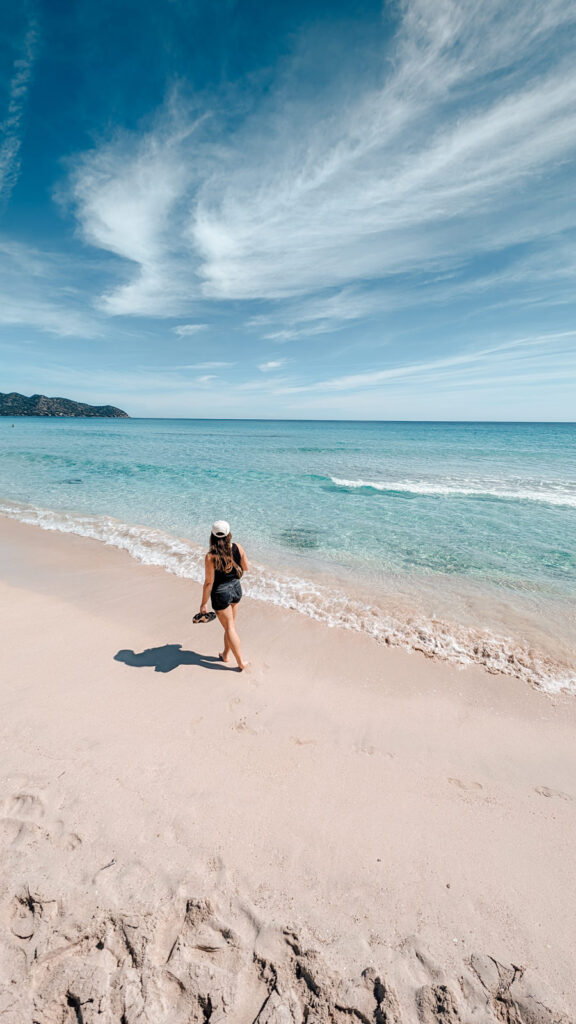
283, 419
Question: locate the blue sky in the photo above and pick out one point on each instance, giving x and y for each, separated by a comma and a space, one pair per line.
344, 210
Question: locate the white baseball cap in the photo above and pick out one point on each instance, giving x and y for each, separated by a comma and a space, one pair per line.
220, 528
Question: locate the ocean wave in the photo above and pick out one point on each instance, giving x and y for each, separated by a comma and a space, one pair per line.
548, 497
333, 607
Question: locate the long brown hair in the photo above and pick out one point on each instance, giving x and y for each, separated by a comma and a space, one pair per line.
221, 551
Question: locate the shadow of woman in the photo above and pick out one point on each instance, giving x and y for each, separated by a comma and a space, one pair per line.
169, 657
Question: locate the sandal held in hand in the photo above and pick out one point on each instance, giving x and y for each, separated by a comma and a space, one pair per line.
204, 617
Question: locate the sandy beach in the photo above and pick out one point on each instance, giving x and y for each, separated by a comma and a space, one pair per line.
343, 832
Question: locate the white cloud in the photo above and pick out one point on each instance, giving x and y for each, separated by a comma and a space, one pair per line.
388, 207
185, 330
12, 125
462, 148
128, 196
272, 364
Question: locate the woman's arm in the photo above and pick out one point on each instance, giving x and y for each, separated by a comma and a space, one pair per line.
243, 559
208, 581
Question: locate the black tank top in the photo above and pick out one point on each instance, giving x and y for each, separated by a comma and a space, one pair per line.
225, 577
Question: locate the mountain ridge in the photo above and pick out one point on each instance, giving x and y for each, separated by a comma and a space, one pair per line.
14, 404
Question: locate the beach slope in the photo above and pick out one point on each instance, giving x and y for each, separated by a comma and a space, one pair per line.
344, 832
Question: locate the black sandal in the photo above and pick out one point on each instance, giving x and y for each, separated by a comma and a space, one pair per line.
204, 617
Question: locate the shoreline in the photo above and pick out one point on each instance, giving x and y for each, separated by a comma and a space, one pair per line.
393, 813
396, 622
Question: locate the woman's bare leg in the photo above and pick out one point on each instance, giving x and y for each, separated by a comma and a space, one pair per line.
224, 655
231, 638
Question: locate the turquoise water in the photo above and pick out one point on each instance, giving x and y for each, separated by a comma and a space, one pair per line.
472, 524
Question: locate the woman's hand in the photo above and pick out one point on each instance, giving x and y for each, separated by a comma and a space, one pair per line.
203, 609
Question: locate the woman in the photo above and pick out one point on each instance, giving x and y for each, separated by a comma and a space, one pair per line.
225, 564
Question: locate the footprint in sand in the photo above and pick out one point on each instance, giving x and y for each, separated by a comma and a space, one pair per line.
16, 833
27, 913
468, 787
546, 791
72, 841
19, 817
22, 805
365, 748
190, 729
302, 743
23, 924
473, 792
63, 839
242, 726
22, 821
369, 749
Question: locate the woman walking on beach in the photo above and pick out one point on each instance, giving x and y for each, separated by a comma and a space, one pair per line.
225, 564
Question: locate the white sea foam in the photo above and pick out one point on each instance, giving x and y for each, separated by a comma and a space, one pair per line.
548, 495
332, 606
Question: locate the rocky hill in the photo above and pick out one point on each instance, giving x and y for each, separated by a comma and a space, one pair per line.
14, 404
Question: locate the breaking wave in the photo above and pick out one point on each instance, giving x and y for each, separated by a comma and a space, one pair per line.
550, 496
442, 640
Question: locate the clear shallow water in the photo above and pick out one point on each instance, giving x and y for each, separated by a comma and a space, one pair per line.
459, 539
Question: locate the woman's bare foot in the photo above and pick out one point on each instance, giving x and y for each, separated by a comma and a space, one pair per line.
223, 657
243, 665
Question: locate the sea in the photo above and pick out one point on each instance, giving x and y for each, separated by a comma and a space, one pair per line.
456, 540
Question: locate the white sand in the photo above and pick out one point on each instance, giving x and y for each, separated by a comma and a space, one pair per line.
400, 817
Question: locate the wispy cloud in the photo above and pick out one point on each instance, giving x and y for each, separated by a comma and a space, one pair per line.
35, 292
496, 378
325, 313
541, 357
136, 382
460, 147
528, 277
12, 125
187, 330
204, 366
60, 320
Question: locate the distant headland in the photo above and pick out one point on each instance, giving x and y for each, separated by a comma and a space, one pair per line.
14, 404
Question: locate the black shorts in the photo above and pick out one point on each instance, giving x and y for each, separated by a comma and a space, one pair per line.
226, 594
